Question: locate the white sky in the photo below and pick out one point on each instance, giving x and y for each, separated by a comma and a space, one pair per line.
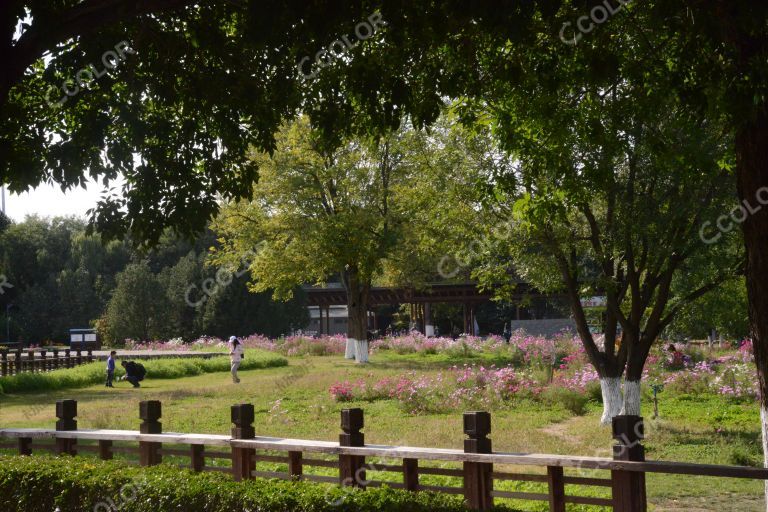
50, 201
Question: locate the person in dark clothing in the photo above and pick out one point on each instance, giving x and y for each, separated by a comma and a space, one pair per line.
507, 332
134, 372
111, 368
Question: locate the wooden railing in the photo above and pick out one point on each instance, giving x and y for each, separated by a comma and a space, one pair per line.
481, 468
41, 360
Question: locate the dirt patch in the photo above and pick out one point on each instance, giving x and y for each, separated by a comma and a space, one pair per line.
565, 430
718, 503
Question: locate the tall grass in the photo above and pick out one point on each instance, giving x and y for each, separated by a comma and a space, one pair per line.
95, 373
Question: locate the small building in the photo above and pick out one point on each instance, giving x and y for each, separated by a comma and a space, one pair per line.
84, 339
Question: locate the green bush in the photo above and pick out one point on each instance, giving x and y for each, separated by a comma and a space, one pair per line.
82, 485
572, 401
94, 373
594, 392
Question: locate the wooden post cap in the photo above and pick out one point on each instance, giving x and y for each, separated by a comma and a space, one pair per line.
628, 429
66, 411
477, 424
243, 416
150, 410
352, 420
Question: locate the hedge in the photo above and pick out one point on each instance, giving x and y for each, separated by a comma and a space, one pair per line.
47, 483
94, 373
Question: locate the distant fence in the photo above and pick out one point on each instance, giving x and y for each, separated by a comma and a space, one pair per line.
41, 360
243, 449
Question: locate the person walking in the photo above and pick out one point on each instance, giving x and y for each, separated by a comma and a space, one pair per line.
236, 355
111, 368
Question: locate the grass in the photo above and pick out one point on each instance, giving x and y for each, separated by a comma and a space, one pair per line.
293, 401
94, 373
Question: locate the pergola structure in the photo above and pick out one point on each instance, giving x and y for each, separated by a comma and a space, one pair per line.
420, 301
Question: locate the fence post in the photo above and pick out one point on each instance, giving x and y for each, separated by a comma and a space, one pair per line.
43, 361
3, 363
295, 465
90, 355
352, 467
67, 358
150, 411
243, 459
55, 365
628, 486
105, 449
79, 358
411, 474
66, 412
556, 482
30, 360
25, 446
478, 482
197, 457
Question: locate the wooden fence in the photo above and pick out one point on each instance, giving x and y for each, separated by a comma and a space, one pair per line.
41, 360
481, 467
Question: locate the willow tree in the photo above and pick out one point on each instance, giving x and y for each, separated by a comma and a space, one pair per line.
317, 213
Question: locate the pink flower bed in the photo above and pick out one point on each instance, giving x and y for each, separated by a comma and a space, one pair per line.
466, 386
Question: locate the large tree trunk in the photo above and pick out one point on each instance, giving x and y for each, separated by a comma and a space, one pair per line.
612, 399
752, 172
357, 309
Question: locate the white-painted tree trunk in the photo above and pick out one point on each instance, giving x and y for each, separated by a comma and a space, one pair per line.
764, 423
631, 398
349, 352
361, 351
612, 399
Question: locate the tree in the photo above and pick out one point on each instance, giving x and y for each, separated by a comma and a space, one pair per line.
723, 310
235, 309
609, 193
231, 78
135, 309
319, 212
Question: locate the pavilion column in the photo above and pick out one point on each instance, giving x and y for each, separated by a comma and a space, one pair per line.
320, 320
467, 318
429, 327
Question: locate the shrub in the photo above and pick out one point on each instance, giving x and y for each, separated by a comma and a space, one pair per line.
570, 400
80, 485
90, 374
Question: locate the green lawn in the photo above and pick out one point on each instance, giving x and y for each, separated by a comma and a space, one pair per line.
706, 429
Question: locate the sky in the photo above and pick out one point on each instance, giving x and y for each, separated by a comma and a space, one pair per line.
50, 201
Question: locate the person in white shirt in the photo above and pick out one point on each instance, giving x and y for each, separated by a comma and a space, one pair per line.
236, 355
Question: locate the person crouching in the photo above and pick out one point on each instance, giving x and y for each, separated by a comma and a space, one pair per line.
134, 372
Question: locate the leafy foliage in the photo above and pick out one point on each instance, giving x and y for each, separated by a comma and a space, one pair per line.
77, 485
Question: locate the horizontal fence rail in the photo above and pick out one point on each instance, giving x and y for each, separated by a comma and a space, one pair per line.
41, 360
244, 455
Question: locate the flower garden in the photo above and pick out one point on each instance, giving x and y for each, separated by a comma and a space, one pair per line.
495, 374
